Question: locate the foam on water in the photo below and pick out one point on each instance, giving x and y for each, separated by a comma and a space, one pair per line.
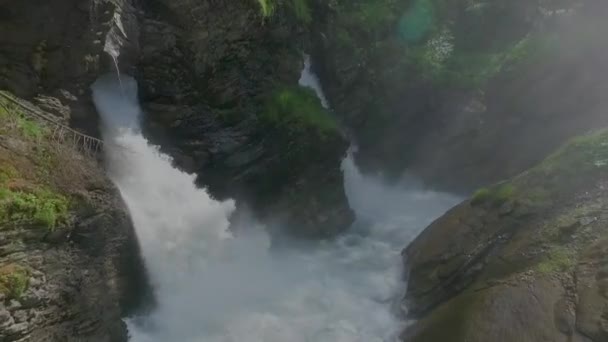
214, 286
310, 80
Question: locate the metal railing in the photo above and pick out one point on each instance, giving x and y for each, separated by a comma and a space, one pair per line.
60, 131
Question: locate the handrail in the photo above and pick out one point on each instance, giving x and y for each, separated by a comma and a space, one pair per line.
89, 142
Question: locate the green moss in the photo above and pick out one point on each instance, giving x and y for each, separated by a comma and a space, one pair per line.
14, 281
296, 109
480, 196
267, 7
496, 195
300, 8
557, 259
504, 193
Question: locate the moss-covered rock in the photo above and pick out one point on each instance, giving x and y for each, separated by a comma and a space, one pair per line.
297, 110
229, 107
522, 243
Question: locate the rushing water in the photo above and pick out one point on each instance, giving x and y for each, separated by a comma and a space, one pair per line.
213, 286
310, 80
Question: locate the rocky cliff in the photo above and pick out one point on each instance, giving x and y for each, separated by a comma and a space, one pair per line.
523, 260
456, 92
460, 93
211, 76
220, 85
69, 261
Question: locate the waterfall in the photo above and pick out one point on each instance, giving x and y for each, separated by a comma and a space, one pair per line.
309, 79
215, 286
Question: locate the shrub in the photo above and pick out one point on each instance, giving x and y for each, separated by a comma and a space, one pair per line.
558, 259
267, 7
16, 117
30, 128
300, 8
297, 108
480, 196
503, 193
41, 206
14, 281
495, 196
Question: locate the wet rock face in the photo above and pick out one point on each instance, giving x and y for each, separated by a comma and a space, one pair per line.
206, 72
523, 260
75, 284
204, 69
57, 49
458, 92
69, 259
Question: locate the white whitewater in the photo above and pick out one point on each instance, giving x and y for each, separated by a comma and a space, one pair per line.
310, 80
213, 286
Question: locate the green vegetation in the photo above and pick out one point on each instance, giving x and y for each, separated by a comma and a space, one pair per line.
557, 259
441, 61
39, 205
22, 199
267, 7
481, 196
16, 117
300, 8
298, 108
30, 128
503, 193
14, 281
495, 196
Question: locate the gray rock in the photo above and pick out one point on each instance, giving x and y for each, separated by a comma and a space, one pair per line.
5, 318
14, 305
20, 316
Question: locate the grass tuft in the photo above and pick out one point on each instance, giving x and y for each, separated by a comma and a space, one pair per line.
39, 205
300, 8
558, 259
14, 281
267, 7
495, 196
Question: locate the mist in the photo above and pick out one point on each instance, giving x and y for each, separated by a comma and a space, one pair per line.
212, 285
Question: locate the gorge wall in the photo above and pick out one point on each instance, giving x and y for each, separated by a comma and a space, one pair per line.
457, 92
461, 94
